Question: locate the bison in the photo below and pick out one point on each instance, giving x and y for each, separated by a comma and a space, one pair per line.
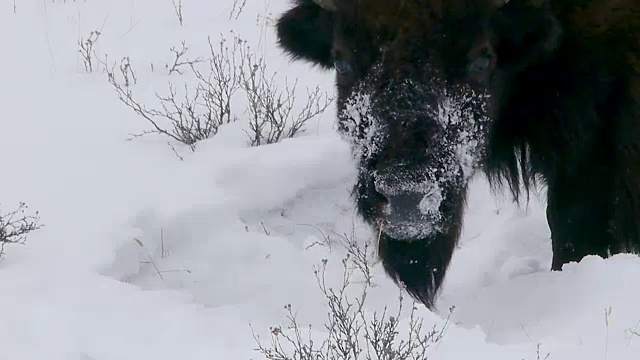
529, 92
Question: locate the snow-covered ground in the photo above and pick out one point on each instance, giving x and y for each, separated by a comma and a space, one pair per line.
144, 256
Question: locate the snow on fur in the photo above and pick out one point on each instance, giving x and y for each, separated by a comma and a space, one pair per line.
461, 114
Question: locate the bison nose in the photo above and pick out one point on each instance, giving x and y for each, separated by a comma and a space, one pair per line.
404, 205
411, 212
403, 195
409, 215
408, 196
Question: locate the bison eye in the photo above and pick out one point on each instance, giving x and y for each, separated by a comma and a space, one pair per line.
480, 65
342, 66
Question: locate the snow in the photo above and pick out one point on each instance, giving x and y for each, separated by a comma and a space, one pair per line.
430, 203
233, 230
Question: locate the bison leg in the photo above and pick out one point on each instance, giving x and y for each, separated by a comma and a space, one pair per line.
579, 213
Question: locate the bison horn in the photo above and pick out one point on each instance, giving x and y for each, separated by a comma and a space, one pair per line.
328, 5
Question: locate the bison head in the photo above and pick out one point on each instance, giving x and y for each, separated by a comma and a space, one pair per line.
419, 82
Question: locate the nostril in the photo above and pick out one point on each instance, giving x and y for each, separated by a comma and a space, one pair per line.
381, 197
394, 197
380, 192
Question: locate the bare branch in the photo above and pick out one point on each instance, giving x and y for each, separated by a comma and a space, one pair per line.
271, 110
238, 7
197, 111
15, 226
87, 49
178, 61
178, 9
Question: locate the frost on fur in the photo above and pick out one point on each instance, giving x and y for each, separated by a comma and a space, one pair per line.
371, 121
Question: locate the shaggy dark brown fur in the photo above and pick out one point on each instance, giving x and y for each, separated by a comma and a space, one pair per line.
528, 91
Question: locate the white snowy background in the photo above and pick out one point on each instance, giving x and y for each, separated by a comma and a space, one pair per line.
144, 256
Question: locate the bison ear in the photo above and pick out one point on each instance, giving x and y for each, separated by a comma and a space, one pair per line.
306, 32
523, 34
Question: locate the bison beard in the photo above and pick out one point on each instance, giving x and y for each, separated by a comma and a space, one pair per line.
525, 91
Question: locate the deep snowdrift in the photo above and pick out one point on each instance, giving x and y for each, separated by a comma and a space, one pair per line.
144, 256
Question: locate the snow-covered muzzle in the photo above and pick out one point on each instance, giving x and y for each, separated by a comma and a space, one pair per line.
418, 140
